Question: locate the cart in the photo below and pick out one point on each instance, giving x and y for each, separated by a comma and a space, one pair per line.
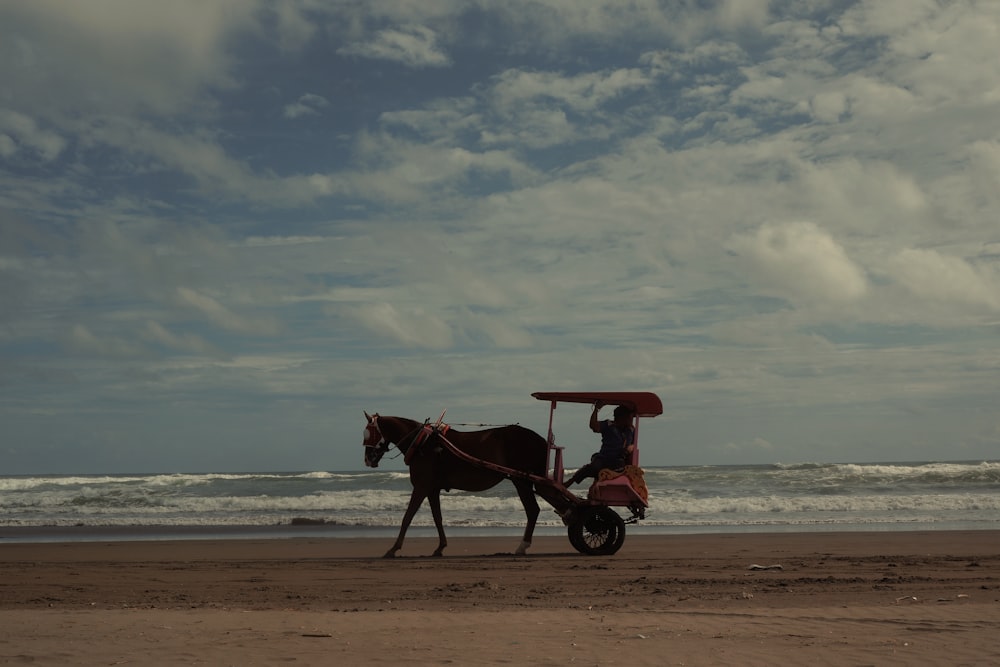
594, 527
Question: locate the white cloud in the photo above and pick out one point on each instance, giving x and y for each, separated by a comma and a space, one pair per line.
557, 24
203, 158
985, 155
828, 107
883, 101
862, 195
416, 172
504, 334
800, 261
529, 109
411, 327
256, 241
439, 119
942, 52
83, 340
582, 92
931, 275
295, 26
118, 56
224, 317
414, 46
710, 58
187, 342
740, 15
540, 128
742, 448
307, 105
7, 146
25, 129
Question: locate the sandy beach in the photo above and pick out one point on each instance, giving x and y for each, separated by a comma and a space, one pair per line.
900, 598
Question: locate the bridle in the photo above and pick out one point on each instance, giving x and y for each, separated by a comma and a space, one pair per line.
374, 441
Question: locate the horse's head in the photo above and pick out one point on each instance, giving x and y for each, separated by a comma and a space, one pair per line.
376, 444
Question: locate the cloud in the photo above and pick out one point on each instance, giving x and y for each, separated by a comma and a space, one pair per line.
7, 146
581, 92
411, 327
438, 119
985, 158
263, 241
931, 275
187, 342
118, 56
307, 105
748, 447
27, 134
527, 108
829, 107
801, 262
201, 157
414, 46
942, 52
223, 317
539, 109
409, 172
482, 195
295, 25
81, 339
501, 331
558, 25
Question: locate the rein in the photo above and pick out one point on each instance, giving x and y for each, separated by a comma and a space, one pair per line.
481, 424
410, 442
399, 446
413, 439
420, 434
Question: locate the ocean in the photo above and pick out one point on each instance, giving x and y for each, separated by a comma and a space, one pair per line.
683, 499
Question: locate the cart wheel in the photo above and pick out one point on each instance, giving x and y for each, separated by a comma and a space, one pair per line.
597, 531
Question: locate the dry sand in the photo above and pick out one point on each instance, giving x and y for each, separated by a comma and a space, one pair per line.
892, 598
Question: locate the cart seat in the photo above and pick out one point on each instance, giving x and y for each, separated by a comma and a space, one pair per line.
621, 488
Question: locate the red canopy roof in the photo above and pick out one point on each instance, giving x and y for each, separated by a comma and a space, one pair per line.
645, 403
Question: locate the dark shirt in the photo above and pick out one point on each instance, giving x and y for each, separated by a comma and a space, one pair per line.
613, 443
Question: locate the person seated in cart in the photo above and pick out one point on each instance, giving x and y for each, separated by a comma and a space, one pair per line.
617, 443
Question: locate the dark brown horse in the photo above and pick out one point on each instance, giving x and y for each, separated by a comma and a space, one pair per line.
434, 467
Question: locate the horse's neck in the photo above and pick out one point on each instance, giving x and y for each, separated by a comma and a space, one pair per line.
402, 427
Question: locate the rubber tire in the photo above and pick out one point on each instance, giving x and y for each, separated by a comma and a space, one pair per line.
597, 531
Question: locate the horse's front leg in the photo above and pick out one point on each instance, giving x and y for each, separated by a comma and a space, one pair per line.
434, 500
526, 491
416, 499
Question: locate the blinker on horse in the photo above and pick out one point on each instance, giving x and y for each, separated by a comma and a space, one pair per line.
433, 467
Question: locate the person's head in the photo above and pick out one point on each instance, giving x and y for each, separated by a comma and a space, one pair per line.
623, 415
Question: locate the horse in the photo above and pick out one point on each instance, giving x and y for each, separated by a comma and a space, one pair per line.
433, 467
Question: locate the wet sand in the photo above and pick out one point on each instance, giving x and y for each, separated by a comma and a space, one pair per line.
900, 598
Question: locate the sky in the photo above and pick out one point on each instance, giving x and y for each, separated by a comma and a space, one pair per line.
228, 228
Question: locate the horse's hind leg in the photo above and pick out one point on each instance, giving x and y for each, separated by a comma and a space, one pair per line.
434, 500
416, 499
526, 491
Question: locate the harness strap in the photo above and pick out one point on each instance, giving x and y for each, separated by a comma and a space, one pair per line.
425, 433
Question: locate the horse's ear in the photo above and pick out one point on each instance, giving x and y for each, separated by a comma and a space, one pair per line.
367, 416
